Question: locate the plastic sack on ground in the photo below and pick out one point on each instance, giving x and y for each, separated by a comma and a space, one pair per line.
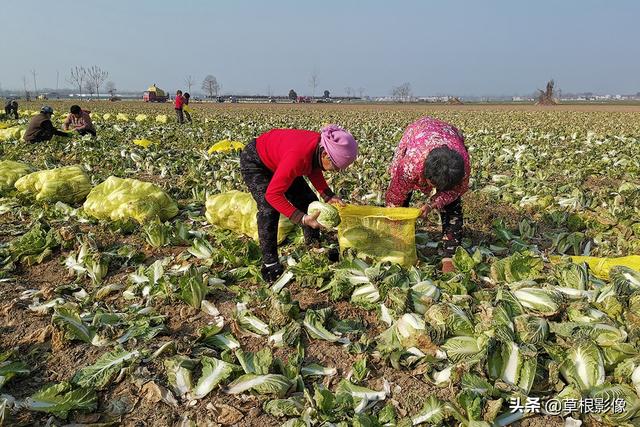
122, 117
141, 117
119, 199
106, 116
145, 143
162, 118
385, 234
69, 184
10, 172
237, 211
224, 146
187, 108
600, 267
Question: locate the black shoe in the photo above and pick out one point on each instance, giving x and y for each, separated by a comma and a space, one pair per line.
272, 273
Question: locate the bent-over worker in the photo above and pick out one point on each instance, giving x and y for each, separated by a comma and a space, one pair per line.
432, 154
274, 166
80, 121
40, 127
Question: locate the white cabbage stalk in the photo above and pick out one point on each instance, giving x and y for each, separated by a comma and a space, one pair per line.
442, 377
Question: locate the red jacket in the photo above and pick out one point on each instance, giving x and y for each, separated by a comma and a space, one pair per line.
179, 102
289, 154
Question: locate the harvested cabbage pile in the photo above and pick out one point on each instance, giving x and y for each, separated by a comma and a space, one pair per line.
11, 133
329, 216
237, 211
119, 199
69, 184
10, 172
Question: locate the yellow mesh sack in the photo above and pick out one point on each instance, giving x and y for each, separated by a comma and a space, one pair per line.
224, 146
69, 184
237, 211
10, 172
119, 199
384, 234
144, 143
10, 133
600, 267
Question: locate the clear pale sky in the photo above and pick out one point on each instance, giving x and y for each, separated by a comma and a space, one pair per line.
460, 47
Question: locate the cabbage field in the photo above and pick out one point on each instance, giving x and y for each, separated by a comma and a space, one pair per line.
147, 315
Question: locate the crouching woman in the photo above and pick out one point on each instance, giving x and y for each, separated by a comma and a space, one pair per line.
274, 166
432, 154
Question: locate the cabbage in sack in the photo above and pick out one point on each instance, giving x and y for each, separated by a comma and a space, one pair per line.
119, 199
237, 211
385, 234
69, 184
10, 172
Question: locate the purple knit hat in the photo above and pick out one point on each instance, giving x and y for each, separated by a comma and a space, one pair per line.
340, 145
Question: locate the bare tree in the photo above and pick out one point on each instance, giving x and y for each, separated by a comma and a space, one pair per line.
402, 92
35, 85
189, 82
546, 97
210, 86
111, 88
77, 77
349, 90
313, 82
96, 77
89, 87
24, 85
361, 92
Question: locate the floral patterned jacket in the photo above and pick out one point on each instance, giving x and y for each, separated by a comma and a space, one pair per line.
407, 166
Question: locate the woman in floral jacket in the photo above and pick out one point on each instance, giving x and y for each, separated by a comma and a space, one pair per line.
432, 155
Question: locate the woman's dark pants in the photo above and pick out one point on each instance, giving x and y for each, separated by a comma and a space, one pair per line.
257, 177
452, 222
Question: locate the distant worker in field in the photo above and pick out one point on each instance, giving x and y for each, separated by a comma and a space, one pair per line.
179, 105
185, 107
274, 166
11, 109
80, 121
432, 155
40, 127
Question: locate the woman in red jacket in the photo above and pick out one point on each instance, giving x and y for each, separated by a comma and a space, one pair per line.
178, 105
274, 166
